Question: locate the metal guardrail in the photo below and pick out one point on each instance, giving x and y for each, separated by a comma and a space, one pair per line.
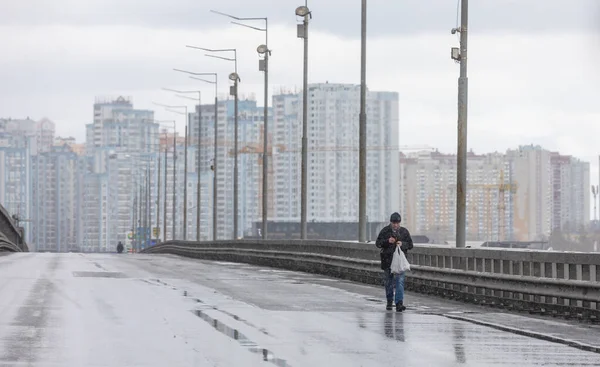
8, 246
462, 274
10, 233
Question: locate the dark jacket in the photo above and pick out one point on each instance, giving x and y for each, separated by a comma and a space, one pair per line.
387, 249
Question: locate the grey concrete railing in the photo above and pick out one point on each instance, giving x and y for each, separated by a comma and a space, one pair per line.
10, 233
556, 283
7, 246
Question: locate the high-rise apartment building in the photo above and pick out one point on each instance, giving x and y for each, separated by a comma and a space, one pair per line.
532, 207
122, 150
429, 196
56, 200
522, 195
570, 194
250, 146
333, 123
20, 140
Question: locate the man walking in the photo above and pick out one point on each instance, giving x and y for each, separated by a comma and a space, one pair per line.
391, 237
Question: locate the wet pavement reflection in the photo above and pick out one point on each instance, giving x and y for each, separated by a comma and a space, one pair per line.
394, 326
70, 310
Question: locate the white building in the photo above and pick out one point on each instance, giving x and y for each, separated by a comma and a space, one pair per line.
56, 218
122, 145
20, 140
333, 124
250, 141
522, 195
532, 207
571, 197
429, 196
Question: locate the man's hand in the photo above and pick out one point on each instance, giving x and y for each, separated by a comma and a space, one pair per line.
392, 240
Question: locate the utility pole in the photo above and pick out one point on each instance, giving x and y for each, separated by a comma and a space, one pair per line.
165, 198
362, 150
198, 185
461, 186
148, 207
595, 194
174, 183
134, 224
215, 145
185, 165
139, 219
143, 212
303, 11
235, 162
265, 162
188, 141
216, 153
158, 200
263, 66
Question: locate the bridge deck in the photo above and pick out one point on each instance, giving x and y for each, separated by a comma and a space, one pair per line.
151, 310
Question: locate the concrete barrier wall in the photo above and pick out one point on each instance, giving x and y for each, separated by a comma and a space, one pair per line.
10, 232
8, 246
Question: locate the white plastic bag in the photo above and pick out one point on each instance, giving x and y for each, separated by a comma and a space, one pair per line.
400, 263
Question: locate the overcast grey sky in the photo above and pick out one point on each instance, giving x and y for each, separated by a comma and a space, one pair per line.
533, 70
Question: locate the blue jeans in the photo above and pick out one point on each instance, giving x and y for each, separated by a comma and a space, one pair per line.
394, 280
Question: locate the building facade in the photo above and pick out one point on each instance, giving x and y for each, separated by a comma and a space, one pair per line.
333, 123
56, 216
570, 197
429, 196
250, 147
522, 195
122, 148
20, 141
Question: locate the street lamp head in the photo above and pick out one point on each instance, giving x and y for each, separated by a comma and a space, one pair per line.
234, 77
262, 49
302, 11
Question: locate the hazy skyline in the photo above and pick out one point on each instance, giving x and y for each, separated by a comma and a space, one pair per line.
532, 68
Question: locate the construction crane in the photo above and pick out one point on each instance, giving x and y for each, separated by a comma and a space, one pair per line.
501, 188
504, 187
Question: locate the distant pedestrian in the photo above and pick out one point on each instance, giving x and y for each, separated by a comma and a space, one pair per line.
390, 238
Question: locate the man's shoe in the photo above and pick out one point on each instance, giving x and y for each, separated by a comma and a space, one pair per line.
400, 307
389, 306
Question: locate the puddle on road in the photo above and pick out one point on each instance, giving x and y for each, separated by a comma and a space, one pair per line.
242, 339
98, 274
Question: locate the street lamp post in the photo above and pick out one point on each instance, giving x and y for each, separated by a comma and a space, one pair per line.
165, 197
362, 149
198, 185
303, 11
165, 181
174, 183
148, 207
139, 210
235, 78
263, 66
461, 164
185, 166
216, 136
158, 198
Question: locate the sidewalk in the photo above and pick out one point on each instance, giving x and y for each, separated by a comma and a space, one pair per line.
574, 334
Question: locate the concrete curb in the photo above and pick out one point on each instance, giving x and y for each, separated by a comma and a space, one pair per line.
532, 334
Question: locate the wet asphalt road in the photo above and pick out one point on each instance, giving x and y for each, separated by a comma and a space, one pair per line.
152, 310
